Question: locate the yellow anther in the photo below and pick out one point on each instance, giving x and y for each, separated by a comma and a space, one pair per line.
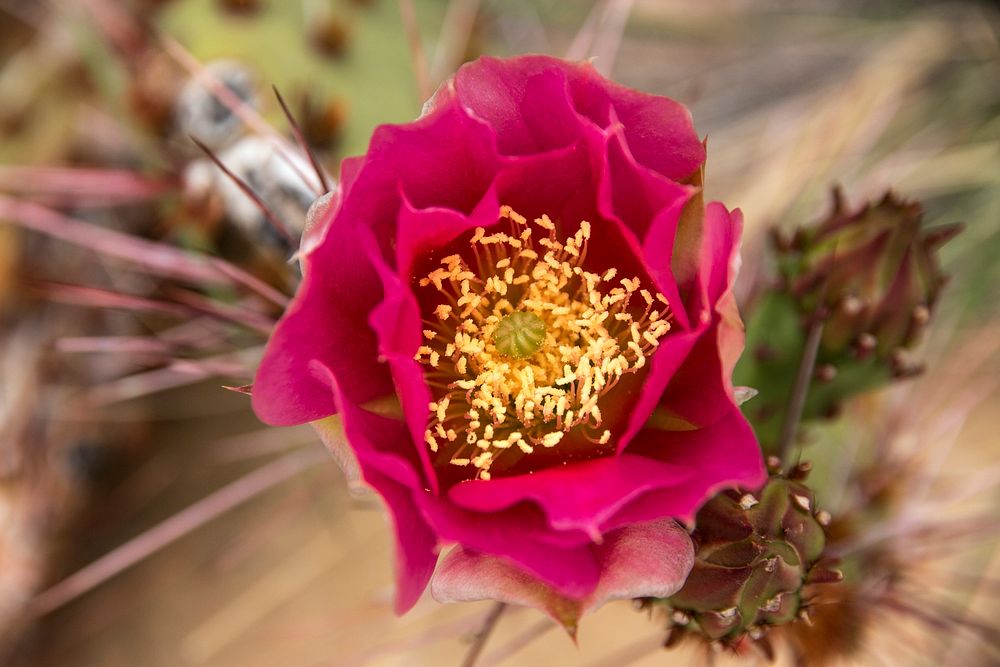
513, 388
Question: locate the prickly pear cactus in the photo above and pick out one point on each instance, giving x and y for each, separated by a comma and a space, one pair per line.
871, 278
757, 554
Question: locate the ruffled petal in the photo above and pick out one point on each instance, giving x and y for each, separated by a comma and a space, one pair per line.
579, 496
372, 437
570, 569
722, 455
701, 390
525, 100
327, 321
528, 101
651, 559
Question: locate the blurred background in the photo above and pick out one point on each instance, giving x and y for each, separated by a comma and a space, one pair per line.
147, 518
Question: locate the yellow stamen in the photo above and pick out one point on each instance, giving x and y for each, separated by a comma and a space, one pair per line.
530, 341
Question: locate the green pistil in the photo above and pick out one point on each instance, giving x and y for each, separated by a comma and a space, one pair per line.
519, 335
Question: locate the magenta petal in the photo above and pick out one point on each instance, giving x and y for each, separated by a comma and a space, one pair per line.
326, 322
525, 100
701, 390
425, 160
673, 352
645, 193
722, 455
468, 576
372, 437
421, 230
659, 131
396, 321
550, 183
645, 560
577, 496
416, 544
571, 570
638, 194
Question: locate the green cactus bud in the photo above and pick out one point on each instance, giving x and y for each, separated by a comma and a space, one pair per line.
756, 554
873, 271
871, 277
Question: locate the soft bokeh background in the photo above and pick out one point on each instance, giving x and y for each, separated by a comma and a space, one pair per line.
274, 563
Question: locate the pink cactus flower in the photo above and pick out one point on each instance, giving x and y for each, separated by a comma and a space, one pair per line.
516, 325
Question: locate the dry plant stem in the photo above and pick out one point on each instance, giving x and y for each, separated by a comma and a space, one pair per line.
420, 72
238, 107
303, 144
585, 36
278, 225
155, 259
797, 400
182, 523
508, 650
479, 641
456, 30
609, 39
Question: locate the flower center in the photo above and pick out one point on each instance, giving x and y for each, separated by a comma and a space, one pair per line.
519, 335
526, 343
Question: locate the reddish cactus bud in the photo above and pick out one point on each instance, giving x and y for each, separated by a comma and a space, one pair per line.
875, 270
755, 553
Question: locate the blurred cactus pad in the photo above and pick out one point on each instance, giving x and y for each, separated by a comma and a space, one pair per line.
341, 52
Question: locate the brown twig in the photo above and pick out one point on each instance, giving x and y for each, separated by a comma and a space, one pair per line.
483, 634
797, 400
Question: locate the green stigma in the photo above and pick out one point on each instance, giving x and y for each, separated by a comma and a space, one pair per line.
519, 335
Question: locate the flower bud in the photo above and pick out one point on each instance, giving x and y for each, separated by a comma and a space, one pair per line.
873, 272
871, 279
756, 553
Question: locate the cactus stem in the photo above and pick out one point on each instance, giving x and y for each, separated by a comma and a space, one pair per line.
802, 501
797, 400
